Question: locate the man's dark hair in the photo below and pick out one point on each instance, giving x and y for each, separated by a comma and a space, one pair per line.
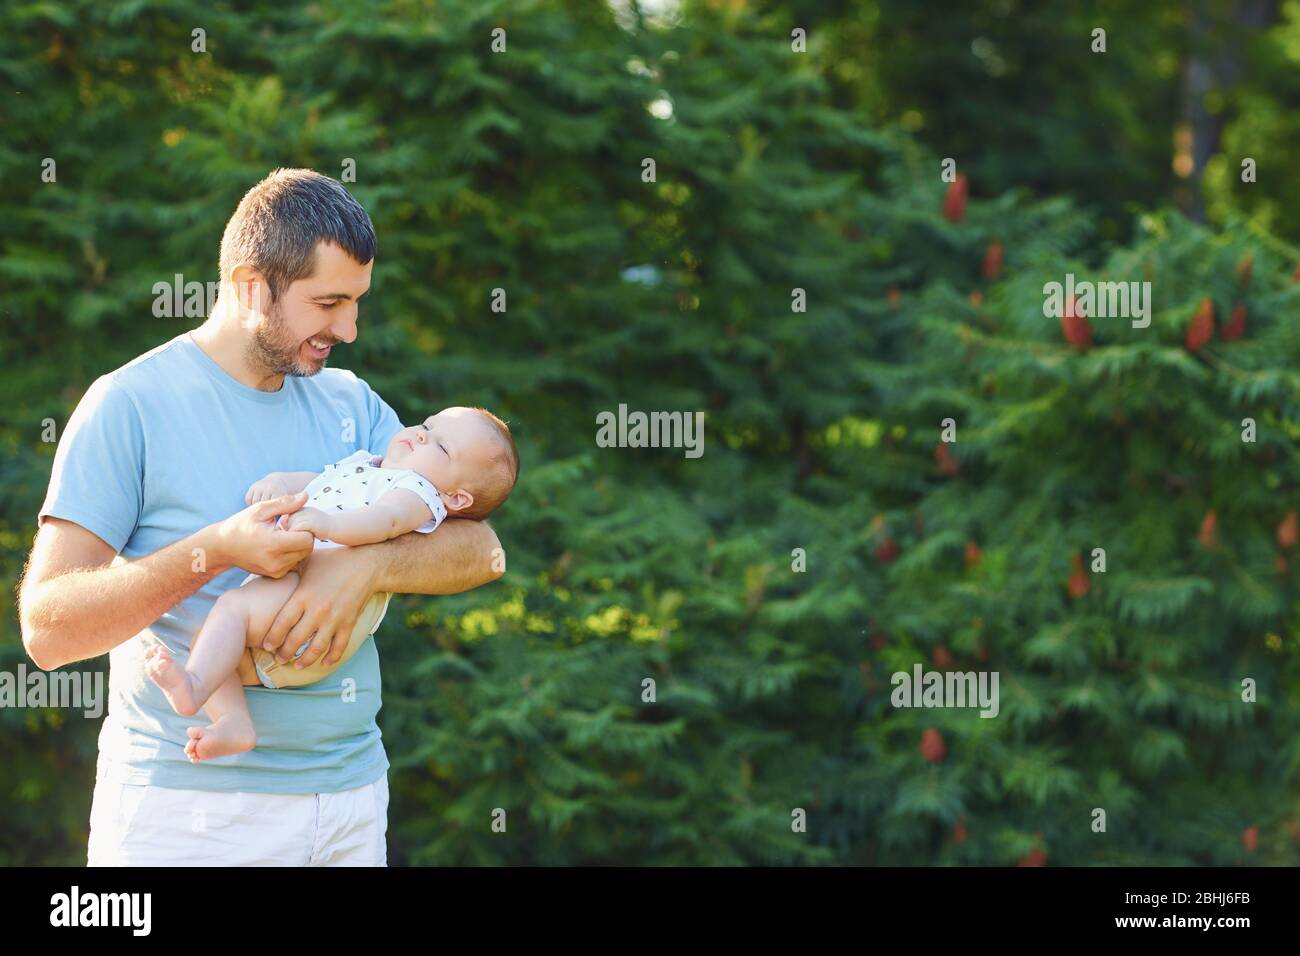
280, 221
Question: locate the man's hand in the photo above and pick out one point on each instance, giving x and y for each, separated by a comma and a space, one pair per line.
330, 596
251, 540
337, 582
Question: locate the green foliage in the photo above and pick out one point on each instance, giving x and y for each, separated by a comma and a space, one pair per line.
523, 171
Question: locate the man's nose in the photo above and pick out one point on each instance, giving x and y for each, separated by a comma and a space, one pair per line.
345, 330
419, 436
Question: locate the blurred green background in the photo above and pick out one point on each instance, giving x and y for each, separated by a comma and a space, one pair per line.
776, 170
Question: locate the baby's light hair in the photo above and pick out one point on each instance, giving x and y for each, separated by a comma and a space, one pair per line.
502, 473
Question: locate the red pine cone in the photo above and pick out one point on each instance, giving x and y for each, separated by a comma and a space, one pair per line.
942, 659
973, 554
1209, 526
1078, 584
1201, 329
1076, 328
932, 746
1236, 326
992, 265
1035, 857
959, 833
1288, 531
976, 298
1244, 269
945, 460
887, 549
954, 200
1250, 839
894, 297
1279, 566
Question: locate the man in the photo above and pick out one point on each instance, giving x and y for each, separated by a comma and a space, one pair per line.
142, 529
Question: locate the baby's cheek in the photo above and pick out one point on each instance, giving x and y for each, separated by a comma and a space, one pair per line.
429, 464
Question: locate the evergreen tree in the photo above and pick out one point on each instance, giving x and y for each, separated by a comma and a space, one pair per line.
1109, 535
799, 274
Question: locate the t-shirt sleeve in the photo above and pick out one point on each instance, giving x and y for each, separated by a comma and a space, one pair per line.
384, 423
421, 486
98, 476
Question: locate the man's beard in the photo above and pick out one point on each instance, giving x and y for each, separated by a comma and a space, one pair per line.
271, 348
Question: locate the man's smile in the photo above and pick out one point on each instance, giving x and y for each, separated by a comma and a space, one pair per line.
319, 349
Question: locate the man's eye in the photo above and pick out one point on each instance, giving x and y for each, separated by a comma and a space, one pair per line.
329, 306
425, 427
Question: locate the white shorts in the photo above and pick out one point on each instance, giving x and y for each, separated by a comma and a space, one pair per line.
144, 825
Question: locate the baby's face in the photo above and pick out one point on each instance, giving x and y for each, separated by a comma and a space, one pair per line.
448, 448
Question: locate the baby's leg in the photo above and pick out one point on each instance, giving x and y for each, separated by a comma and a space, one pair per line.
239, 619
231, 730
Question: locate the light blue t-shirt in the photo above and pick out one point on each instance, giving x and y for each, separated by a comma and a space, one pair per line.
162, 447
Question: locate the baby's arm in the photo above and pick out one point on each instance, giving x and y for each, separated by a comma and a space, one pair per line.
277, 484
395, 513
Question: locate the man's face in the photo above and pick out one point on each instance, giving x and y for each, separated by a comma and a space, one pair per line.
312, 315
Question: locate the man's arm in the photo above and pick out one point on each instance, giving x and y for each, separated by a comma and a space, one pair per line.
459, 556
73, 604
336, 583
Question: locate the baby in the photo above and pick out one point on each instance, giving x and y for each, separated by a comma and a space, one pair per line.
461, 462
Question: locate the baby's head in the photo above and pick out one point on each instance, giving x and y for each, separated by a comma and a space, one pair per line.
467, 453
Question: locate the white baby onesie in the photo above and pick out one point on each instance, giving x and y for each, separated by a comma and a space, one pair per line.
355, 482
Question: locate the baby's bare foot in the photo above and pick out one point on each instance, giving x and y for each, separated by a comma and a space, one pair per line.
172, 679
227, 735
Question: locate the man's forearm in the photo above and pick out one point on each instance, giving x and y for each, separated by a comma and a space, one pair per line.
459, 556
82, 614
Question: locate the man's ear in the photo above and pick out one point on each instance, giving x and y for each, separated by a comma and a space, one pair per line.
246, 281
458, 500
249, 284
